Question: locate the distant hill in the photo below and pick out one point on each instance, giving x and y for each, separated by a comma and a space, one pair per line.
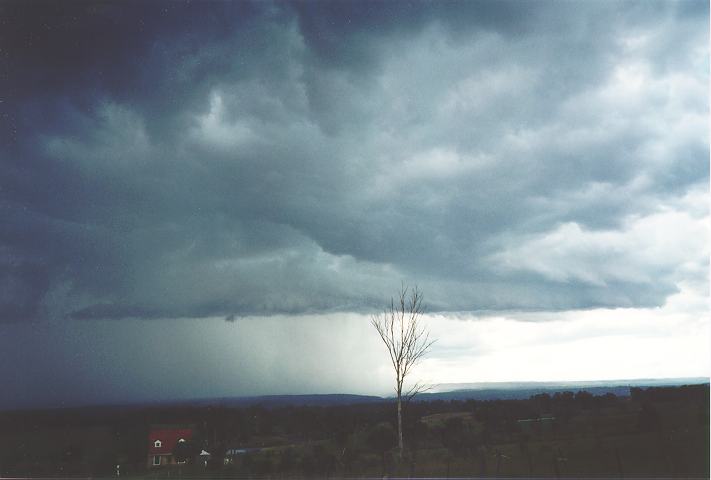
459, 391
637, 382
516, 393
446, 392
523, 390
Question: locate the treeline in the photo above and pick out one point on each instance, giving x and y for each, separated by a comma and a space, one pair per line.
567, 433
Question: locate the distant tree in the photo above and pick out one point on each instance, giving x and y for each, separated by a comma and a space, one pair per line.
407, 342
648, 418
185, 452
564, 397
417, 431
263, 464
307, 464
454, 436
248, 463
382, 439
703, 413
324, 460
542, 403
584, 399
287, 460
636, 394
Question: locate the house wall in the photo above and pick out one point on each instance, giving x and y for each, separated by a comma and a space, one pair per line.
165, 460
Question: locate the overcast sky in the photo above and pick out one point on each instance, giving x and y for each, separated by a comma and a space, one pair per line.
225, 192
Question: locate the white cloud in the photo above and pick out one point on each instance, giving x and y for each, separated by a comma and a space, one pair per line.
575, 345
646, 249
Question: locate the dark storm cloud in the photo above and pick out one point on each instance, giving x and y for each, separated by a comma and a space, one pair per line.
189, 160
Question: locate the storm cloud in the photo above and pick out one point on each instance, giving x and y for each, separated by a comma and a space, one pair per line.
175, 160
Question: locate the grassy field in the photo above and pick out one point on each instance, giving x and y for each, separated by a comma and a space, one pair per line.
605, 443
658, 433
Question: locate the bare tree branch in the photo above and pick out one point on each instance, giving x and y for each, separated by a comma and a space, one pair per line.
406, 340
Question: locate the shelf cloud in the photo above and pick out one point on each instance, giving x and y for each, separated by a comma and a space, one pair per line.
295, 158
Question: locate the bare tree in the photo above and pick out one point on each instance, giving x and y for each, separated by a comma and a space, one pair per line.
407, 342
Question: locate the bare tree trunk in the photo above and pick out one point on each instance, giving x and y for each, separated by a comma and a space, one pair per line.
399, 425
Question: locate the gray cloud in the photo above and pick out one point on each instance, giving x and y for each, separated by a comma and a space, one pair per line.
291, 158
84, 363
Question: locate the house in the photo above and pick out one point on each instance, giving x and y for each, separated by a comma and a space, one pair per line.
162, 440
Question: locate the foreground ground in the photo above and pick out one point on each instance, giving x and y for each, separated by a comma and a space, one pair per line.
657, 432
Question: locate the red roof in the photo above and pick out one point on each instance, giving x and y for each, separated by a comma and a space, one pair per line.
168, 438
